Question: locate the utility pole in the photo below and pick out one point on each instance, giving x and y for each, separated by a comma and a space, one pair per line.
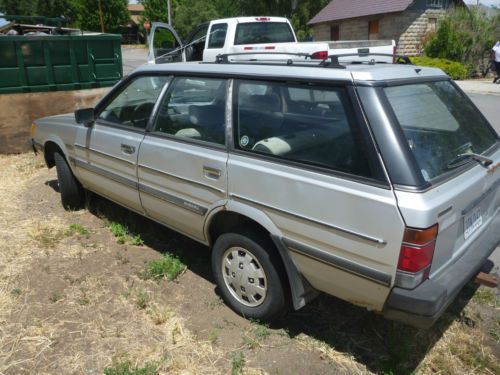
100, 16
168, 13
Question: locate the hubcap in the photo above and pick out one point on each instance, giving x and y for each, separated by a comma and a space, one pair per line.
244, 276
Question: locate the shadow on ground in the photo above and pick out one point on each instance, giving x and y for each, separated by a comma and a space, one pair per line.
382, 346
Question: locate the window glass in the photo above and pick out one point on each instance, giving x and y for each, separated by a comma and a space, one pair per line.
311, 125
132, 106
439, 124
263, 32
217, 35
165, 46
194, 108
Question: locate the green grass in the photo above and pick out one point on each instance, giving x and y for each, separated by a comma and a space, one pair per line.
237, 363
123, 234
77, 229
168, 266
486, 297
254, 336
123, 366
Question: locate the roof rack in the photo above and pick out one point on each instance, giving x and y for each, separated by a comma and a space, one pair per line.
332, 61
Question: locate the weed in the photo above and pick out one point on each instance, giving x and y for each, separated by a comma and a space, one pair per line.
46, 236
159, 314
54, 297
140, 297
77, 229
16, 292
213, 335
254, 336
486, 297
123, 234
167, 266
123, 366
122, 259
237, 363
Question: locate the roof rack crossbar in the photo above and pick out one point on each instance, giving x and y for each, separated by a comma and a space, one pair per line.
224, 57
332, 61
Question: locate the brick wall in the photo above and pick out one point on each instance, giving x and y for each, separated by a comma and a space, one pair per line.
407, 28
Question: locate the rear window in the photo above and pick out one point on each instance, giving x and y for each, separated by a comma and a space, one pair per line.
263, 32
440, 125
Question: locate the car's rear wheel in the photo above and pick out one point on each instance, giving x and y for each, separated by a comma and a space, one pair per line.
250, 277
72, 193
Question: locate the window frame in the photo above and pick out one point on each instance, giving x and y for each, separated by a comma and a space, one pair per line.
117, 90
379, 178
209, 35
151, 129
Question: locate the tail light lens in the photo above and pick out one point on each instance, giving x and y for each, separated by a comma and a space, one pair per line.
320, 55
415, 257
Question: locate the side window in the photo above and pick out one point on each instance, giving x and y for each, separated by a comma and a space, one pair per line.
310, 125
217, 36
134, 104
194, 108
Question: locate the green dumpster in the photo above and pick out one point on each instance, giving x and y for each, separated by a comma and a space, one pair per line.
34, 63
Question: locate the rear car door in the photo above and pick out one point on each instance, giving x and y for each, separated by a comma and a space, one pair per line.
182, 162
321, 182
165, 46
106, 153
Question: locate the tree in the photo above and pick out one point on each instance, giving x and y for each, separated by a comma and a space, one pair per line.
18, 7
115, 14
46, 8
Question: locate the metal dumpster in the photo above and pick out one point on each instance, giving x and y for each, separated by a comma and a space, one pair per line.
34, 63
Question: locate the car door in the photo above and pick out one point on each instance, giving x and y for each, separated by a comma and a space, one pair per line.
165, 46
182, 161
106, 152
320, 182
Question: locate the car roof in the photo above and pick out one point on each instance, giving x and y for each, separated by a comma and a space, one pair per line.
352, 72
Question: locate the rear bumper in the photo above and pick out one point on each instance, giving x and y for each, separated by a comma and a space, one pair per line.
422, 306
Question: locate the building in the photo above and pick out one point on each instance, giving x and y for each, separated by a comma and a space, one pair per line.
132, 33
406, 21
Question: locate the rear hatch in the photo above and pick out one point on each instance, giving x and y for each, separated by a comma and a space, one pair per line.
458, 154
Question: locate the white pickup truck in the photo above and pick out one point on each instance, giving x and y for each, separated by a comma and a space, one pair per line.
242, 36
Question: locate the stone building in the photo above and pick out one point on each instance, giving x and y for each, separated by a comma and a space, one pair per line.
406, 21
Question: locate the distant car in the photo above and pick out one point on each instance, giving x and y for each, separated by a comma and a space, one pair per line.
377, 184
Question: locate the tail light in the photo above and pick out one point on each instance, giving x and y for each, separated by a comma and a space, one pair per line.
262, 19
320, 55
415, 256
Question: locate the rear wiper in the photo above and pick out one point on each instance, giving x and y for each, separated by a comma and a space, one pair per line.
461, 159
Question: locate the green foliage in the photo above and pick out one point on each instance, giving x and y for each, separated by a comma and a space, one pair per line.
46, 8
123, 234
465, 35
77, 229
304, 12
115, 14
237, 363
168, 266
123, 366
454, 69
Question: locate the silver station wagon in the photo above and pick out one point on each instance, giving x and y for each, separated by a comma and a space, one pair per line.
375, 183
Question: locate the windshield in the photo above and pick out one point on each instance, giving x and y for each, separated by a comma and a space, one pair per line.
440, 125
263, 32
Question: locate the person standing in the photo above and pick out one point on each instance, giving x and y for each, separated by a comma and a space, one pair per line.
496, 60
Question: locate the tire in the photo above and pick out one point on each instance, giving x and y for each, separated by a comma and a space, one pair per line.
263, 296
72, 194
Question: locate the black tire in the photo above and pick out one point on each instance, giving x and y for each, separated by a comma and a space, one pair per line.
274, 304
72, 193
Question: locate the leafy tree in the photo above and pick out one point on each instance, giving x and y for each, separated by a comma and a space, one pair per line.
115, 14
46, 8
464, 35
18, 7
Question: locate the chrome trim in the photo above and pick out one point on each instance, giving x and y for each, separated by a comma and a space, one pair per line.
105, 154
77, 145
377, 276
103, 172
190, 206
182, 178
340, 229
445, 211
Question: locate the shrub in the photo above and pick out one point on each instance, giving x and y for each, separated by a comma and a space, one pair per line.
454, 69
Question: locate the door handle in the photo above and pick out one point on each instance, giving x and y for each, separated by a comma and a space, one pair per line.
127, 149
212, 173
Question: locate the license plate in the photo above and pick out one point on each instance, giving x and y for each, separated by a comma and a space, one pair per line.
472, 221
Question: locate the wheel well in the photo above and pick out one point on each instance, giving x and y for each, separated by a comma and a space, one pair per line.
49, 149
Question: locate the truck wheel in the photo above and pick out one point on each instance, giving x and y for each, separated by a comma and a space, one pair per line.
250, 278
72, 194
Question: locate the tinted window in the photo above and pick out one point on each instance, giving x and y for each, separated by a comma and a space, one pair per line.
217, 35
194, 108
311, 125
439, 124
133, 105
263, 32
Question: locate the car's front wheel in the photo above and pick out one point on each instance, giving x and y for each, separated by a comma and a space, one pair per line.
250, 277
72, 193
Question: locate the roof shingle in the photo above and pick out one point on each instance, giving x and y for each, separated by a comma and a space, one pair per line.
343, 9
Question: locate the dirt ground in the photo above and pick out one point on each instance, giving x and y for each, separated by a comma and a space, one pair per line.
76, 302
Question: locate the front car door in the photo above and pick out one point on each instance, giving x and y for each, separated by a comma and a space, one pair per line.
165, 46
182, 162
106, 153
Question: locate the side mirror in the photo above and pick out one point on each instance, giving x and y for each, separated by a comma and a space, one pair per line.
85, 116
